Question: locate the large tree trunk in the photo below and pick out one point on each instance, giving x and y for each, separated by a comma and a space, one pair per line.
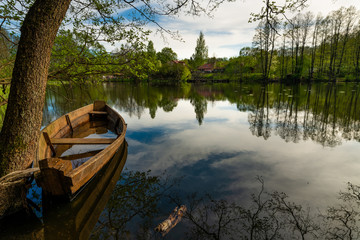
20, 131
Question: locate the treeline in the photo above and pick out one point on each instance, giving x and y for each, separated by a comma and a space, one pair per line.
309, 47
304, 47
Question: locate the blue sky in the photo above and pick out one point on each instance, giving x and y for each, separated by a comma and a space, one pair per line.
228, 30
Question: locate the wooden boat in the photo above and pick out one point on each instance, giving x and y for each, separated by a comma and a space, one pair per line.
76, 220
70, 220
58, 176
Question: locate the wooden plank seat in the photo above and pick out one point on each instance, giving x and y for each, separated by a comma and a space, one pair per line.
81, 141
80, 155
98, 113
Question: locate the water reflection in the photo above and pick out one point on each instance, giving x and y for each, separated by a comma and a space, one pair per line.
324, 113
302, 140
229, 144
133, 208
274, 216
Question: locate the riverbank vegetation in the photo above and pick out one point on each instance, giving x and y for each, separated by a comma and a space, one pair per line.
304, 48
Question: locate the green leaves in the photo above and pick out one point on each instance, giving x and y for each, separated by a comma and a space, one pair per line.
166, 55
271, 10
201, 51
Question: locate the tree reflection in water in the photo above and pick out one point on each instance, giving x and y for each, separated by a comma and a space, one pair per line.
133, 211
136, 206
136, 199
324, 113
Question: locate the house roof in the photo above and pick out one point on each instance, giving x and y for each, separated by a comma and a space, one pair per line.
207, 66
178, 62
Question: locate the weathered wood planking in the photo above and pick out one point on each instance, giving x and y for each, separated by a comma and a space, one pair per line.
81, 141
79, 176
57, 178
80, 132
60, 128
99, 105
98, 112
52, 174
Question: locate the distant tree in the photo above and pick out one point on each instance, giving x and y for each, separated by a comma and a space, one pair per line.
166, 55
245, 51
314, 44
350, 18
201, 51
356, 52
264, 41
151, 50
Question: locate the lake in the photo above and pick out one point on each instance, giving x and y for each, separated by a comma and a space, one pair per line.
230, 153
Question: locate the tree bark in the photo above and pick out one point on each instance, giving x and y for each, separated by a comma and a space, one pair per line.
20, 131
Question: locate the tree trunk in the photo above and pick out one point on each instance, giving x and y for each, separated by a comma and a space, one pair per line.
20, 131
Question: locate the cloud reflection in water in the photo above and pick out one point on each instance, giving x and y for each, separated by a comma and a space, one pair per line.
223, 158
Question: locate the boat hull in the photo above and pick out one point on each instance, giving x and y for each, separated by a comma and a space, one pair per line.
57, 176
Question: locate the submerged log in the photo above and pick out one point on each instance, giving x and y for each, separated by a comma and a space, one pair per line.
174, 218
13, 190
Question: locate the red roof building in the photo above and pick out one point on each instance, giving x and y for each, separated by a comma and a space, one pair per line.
208, 68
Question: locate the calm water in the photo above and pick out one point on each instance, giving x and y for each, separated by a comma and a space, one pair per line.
210, 147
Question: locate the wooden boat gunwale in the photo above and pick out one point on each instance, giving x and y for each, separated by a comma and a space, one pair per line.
56, 176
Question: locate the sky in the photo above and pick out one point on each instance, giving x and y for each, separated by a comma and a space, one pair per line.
228, 30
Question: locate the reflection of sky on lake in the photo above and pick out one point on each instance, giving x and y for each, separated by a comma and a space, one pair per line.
223, 158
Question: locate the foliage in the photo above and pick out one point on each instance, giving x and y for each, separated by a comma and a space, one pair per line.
73, 60
151, 50
78, 54
7, 55
4, 93
176, 72
240, 67
135, 64
305, 47
166, 55
201, 52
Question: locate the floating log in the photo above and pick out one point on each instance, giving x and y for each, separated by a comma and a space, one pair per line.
174, 218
